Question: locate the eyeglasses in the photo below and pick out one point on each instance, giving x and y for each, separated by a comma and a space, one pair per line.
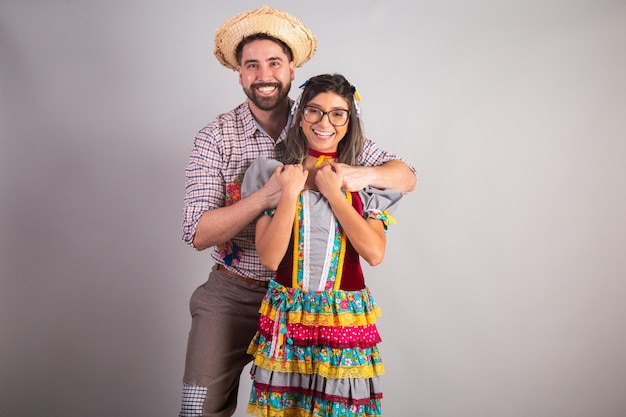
337, 117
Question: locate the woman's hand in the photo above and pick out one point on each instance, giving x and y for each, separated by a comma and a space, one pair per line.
273, 233
291, 179
328, 182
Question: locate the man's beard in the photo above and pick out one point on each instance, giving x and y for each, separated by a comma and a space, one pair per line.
267, 103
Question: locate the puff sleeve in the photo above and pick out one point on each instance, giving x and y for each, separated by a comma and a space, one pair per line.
258, 174
380, 204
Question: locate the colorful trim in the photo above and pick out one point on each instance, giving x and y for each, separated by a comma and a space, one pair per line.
298, 255
300, 246
380, 215
269, 403
327, 362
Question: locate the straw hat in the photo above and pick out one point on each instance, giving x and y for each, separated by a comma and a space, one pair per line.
275, 23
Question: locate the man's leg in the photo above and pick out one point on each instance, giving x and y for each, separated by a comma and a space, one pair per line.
225, 317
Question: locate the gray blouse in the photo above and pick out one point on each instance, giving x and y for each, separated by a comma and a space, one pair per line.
319, 221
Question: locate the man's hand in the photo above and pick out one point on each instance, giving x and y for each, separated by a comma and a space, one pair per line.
354, 178
272, 190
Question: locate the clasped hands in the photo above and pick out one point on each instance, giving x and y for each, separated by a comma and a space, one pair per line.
330, 179
293, 179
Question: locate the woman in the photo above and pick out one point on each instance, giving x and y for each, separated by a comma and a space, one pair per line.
315, 353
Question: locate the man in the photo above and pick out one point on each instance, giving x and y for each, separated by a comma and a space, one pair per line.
264, 46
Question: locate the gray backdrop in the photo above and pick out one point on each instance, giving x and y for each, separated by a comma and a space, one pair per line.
503, 284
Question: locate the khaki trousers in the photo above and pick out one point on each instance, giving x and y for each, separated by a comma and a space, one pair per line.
224, 318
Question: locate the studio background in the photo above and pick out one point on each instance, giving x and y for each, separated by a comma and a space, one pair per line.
503, 285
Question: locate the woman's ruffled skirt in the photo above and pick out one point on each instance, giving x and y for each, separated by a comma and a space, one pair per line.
316, 354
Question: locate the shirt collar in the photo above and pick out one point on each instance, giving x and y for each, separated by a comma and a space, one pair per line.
251, 126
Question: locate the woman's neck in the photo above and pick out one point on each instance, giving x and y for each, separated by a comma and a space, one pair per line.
313, 161
320, 158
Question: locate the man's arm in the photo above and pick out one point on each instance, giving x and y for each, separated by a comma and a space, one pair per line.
378, 168
223, 223
394, 174
208, 217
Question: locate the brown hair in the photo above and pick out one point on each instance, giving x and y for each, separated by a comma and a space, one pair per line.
262, 36
293, 150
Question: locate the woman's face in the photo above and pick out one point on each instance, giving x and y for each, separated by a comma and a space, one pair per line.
322, 135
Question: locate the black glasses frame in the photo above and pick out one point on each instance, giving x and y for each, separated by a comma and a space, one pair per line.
324, 113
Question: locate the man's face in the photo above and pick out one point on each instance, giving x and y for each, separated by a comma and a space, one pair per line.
265, 73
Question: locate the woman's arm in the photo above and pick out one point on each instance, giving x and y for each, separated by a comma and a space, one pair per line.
366, 236
273, 233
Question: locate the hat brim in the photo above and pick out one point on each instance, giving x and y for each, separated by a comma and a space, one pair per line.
272, 22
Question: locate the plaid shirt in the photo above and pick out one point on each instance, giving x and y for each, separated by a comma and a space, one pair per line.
222, 153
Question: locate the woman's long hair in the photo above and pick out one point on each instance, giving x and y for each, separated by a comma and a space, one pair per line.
294, 149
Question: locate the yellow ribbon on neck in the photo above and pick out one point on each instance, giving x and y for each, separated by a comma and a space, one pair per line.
321, 159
